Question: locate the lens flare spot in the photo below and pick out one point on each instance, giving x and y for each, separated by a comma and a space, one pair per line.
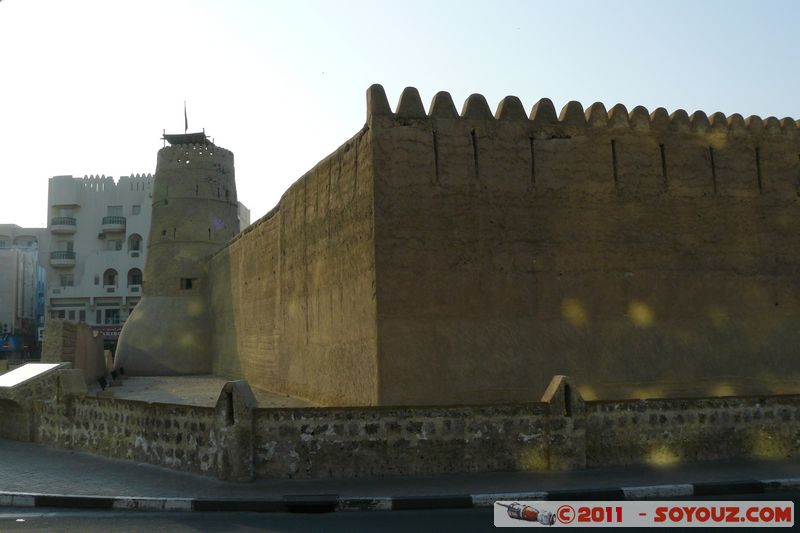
719, 317
573, 312
186, 340
717, 139
662, 455
194, 308
641, 314
767, 446
648, 392
723, 389
533, 459
588, 393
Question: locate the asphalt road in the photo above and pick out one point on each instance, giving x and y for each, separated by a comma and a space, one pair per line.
439, 521
41, 520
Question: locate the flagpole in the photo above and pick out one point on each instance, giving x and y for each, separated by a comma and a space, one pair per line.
185, 119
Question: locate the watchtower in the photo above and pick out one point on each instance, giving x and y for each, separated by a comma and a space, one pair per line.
194, 215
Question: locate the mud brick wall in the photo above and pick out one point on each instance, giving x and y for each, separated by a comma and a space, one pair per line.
619, 247
446, 258
293, 296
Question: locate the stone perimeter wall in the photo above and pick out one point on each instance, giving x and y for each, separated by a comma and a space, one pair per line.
561, 432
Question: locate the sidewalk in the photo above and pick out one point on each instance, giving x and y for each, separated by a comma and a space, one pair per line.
28, 470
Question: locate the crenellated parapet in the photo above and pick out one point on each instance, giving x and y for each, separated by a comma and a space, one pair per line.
186, 153
573, 115
598, 149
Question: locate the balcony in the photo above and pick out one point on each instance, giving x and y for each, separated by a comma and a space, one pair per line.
62, 259
112, 224
63, 225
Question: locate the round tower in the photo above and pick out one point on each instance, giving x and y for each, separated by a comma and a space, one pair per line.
195, 212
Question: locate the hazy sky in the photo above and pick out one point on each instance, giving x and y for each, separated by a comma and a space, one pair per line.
87, 86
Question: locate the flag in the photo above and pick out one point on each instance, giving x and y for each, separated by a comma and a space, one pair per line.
185, 119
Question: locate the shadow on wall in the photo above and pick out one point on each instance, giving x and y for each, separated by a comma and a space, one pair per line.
14, 421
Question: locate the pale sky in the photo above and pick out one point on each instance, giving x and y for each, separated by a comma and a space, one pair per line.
87, 86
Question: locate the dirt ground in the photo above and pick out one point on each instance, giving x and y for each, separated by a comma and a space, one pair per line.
189, 390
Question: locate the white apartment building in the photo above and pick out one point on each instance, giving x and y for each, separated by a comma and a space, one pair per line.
21, 285
97, 229
97, 232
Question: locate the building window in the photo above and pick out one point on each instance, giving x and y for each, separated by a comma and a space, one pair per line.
96, 279
188, 283
110, 278
99, 317
135, 243
136, 209
114, 245
71, 314
115, 210
66, 280
112, 316
134, 277
82, 315
62, 314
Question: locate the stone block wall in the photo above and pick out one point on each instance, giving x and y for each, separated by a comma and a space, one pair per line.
361, 442
59, 341
76, 343
175, 436
235, 440
669, 431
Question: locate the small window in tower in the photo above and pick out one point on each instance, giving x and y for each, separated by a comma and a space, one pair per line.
136, 209
163, 233
188, 283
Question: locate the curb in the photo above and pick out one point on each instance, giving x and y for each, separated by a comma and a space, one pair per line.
326, 503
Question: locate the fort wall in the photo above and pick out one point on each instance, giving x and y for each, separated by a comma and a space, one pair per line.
446, 258
638, 252
293, 296
562, 432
